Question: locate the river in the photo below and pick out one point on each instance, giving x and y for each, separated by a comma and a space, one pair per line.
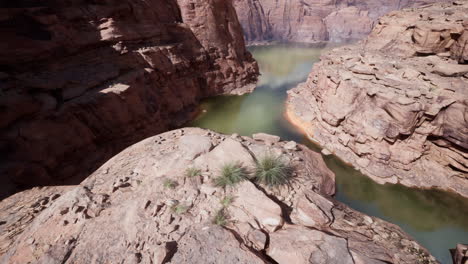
438, 220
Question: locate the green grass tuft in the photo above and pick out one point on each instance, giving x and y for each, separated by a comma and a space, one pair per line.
271, 170
220, 218
180, 209
226, 201
170, 184
231, 174
192, 172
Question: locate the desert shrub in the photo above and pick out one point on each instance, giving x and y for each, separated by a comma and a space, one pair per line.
180, 209
170, 184
231, 174
271, 170
192, 172
226, 201
220, 218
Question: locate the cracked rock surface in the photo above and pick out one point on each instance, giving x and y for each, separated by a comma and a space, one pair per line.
126, 212
396, 105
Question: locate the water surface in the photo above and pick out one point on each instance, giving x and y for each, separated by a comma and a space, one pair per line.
438, 220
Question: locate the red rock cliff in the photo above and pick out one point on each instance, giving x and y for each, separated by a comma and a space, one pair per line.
80, 80
314, 20
396, 105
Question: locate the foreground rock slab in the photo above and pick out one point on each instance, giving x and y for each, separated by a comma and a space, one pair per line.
142, 207
395, 105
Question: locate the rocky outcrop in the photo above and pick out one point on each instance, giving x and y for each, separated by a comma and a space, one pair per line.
313, 20
395, 106
126, 212
460, 254
80, 80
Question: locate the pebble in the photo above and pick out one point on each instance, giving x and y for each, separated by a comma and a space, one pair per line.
297, 159
172, 202
368, 219
291, 145
206, 189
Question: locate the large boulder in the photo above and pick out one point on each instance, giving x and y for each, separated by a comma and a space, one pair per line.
302, 245
143, 207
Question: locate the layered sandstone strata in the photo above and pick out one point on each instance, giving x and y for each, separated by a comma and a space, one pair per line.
314, 20
126, 212
396, 105
81, 80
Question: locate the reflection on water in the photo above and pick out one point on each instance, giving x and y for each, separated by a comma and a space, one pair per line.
282, 67
438, 220
287, 67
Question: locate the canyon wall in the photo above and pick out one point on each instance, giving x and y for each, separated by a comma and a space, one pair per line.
80, 80
312, 21
396, 105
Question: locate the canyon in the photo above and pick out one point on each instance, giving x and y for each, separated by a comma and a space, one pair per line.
311, 21
126, 213
395, 105
81, 80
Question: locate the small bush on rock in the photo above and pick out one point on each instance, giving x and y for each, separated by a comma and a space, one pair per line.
180, 209
170, 184
192, 172
226, 201
271, 170
220, 218
231, 174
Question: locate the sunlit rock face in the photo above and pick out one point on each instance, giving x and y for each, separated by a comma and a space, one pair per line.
314, 20
395, 105
126, 213
80, 80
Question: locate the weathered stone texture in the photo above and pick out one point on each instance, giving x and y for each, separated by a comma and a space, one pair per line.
125, 213
80, 80
312, 21
396, 105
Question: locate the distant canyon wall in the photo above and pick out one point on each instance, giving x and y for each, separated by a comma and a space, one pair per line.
311, 21
80, 80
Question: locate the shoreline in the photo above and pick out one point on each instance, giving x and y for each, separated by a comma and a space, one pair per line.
317, 44
302, 127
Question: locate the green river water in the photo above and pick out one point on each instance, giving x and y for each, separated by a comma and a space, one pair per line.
436, 219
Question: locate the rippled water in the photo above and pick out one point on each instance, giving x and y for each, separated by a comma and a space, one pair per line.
438, 220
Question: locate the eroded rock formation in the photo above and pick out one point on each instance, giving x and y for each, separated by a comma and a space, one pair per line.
314, 20
396, 105
81, 80
126, 212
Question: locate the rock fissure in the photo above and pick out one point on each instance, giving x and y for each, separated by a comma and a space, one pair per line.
285, 209
260, 253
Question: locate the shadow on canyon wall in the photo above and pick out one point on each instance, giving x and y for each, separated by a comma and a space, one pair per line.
81, 80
